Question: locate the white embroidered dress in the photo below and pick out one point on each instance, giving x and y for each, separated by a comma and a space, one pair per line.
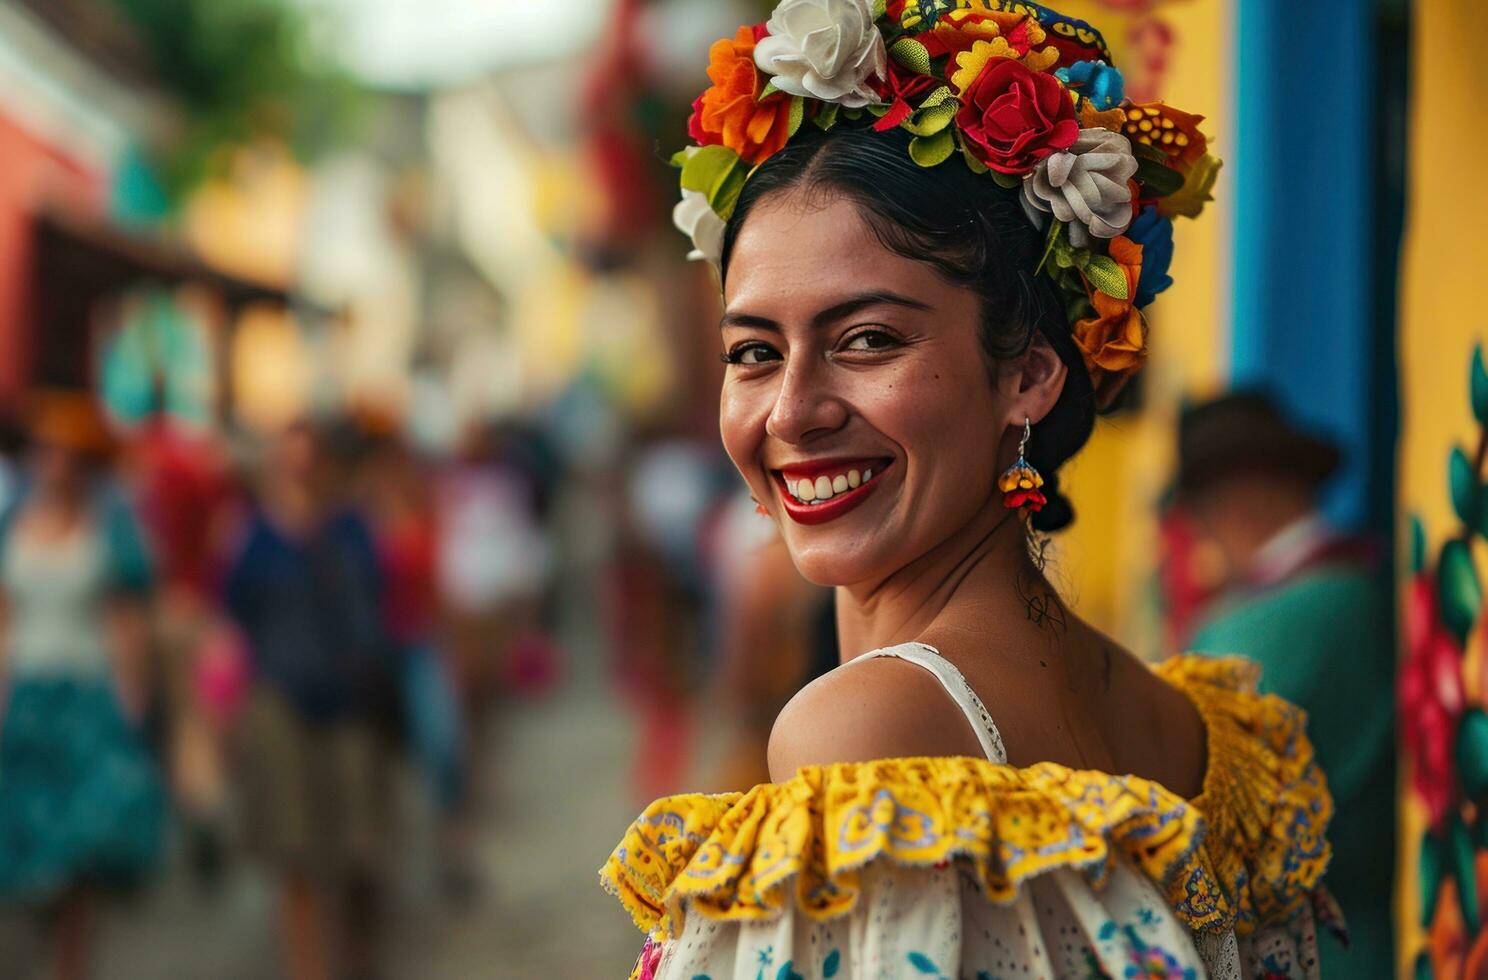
962, 868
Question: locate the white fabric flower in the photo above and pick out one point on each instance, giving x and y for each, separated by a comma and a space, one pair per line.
824, 49
1085, 186
695, 217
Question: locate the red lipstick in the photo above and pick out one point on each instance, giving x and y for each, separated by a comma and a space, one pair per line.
814, 513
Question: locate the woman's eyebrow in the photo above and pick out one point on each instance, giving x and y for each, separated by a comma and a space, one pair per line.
833, 313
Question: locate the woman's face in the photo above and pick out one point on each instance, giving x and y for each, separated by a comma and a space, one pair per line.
858, 402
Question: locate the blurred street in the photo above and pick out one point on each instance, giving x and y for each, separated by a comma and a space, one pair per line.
540, 849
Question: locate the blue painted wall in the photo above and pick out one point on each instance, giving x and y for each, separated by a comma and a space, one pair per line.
1305, 322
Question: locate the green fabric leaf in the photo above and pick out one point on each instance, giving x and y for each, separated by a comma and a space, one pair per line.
726, 197
1472, 754
879, 111
912, 55
797, 113
931, 119
767, 91
826, 116
928, 151
1006, 181
1158, 180
831, 964
1104, 274
977, 166
880, 7
705, 167
1417, 544
938, 97
1463, 484
1144, 151
1479, 387
1464, 869
1459, 592
1429, 871
718, 174
679, 159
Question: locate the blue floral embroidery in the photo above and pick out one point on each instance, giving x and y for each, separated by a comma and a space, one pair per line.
1153, 962
924, 964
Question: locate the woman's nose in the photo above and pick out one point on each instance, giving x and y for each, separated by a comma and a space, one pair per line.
804, 405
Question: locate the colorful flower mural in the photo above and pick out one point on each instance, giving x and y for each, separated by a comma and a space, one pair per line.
1443, 699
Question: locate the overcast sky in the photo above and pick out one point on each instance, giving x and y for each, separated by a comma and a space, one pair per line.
427, 43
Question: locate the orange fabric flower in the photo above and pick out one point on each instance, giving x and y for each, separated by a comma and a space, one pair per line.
1114, 341
730, 113
1173, 131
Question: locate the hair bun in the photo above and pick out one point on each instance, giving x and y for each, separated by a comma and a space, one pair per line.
1057, 512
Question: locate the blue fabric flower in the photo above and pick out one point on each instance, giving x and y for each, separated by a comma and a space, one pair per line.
1155, 234
1096, 81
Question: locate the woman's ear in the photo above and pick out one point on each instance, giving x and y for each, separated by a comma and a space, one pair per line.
1034, 381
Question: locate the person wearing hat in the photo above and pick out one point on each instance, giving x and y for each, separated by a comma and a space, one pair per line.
1258, 571
82, 806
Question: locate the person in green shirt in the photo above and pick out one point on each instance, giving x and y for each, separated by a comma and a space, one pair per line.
1313, 606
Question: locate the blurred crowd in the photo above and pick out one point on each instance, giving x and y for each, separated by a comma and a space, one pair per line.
218, 650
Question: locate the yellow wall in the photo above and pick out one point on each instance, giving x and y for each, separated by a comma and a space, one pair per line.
1105, 562
1442, 315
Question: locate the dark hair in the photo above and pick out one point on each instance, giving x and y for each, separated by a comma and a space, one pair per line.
968, 229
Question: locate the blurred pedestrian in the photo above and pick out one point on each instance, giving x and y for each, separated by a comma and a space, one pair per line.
495, 563
179, 474
81, 801
1311, 604
393, 488
304, 588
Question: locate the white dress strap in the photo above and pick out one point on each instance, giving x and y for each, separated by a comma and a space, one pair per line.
957, 687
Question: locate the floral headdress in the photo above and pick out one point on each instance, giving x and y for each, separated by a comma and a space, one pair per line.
1023, 94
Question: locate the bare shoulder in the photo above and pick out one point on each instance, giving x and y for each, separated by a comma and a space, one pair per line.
871, 708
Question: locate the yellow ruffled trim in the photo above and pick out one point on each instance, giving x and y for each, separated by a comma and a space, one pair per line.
732, 856
1265, 800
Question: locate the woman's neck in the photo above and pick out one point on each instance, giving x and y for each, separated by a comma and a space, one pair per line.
984, 567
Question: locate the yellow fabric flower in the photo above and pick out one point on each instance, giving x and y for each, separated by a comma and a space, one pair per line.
1198, 187
969, 63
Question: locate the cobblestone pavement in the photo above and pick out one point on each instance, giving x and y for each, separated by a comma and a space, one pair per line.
559, 804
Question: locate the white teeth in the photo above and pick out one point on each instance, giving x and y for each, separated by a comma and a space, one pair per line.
822, 488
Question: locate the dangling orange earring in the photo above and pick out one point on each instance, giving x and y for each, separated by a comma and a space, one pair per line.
759, 508
1020, 482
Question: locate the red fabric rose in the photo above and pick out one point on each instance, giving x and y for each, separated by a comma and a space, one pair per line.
1012, 117
902, 90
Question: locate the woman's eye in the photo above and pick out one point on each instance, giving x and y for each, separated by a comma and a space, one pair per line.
870, 340
754, 353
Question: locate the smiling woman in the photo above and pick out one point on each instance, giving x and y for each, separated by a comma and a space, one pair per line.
916, 339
